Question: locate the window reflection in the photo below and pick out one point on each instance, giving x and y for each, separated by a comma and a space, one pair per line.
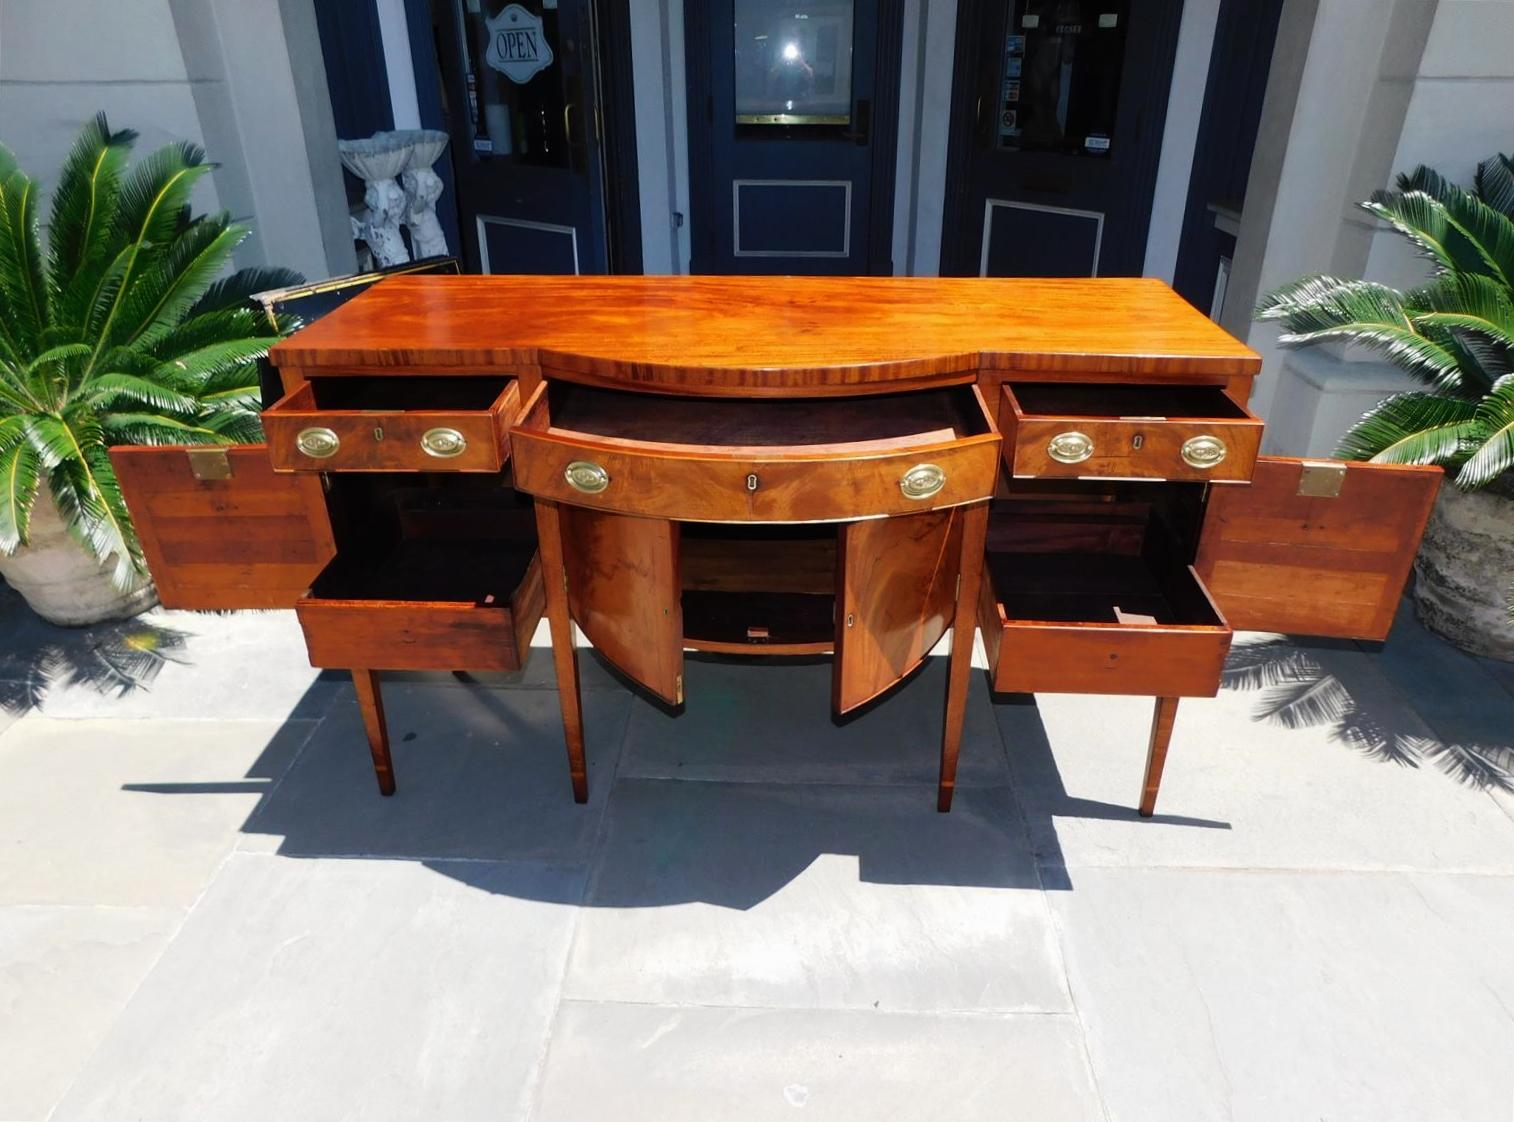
1060, 81
793, 62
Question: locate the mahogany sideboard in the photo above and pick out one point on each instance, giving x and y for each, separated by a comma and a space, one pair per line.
777, 466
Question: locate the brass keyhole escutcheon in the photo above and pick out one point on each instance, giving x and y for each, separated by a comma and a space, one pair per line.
1203, 452
378, 432
922, 481
317, 443
1070, 447
1136, 441
585, 476
751, 482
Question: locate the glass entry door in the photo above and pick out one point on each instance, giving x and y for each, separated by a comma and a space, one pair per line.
1056, 131
785, 128
523, 110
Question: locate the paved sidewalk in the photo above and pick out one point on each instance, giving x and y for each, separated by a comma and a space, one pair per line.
208, 913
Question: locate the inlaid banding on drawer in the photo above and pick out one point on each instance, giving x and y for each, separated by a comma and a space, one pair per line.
756, 460
453, 423
1073, 430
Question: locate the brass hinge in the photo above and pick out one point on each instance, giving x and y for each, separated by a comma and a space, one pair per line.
208, 463
1321, 479
678, 689
957, 595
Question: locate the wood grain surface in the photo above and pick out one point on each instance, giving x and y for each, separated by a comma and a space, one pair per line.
255, 539
895, 589
1276, 560
753, 336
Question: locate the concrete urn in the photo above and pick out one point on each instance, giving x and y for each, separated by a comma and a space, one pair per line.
1464, 569
61, 581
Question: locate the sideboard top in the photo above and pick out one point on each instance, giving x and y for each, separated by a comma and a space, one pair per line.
771, 333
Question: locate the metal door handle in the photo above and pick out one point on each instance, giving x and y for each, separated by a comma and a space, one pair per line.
567, 123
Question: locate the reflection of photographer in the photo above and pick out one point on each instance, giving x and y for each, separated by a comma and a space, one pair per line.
1042, 111
790, 78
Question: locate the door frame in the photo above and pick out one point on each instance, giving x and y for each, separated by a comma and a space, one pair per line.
957, 217
885, 142
616, 126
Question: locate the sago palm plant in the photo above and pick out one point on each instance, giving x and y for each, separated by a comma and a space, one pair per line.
120, 329
1455, 333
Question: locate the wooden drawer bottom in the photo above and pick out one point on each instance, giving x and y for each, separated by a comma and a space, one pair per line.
1104, 622
383, 617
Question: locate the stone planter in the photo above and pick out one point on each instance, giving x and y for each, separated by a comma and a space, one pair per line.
1465, 567
60, 580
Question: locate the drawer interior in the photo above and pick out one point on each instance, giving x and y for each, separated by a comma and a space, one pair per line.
924, 417
1115, 402
428, 537
1107, 555
399, 394
763, 586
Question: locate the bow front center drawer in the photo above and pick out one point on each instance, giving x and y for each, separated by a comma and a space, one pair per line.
393, 423
756, 459
1091, 431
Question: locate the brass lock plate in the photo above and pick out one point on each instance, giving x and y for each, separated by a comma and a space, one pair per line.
207, 464
1321, 479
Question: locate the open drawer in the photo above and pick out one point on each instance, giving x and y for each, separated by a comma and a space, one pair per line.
1086, 431
756, 460
426, 577
393, 423
1095, 597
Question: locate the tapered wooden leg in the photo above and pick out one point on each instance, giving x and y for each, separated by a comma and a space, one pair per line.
964, 630
564, 654
370, 703
1156, 755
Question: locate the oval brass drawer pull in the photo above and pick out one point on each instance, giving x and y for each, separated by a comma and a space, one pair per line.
922, 481
1070, 447
587, 477
443, 443
1203, 451
318, 443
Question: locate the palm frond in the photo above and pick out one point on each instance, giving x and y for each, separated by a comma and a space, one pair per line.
89, 498
234, 291
205, 328
1413, 428
84, 203
23, 283
1495, 183
20, 470
108, 390
1305, 704
1495, 418
193, 370
1424, 220
156, 191
154, 428
166, 289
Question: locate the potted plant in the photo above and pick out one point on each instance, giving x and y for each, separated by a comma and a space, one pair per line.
120, 329
1455, 334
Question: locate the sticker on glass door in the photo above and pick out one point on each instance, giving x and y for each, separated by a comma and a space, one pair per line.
518, 46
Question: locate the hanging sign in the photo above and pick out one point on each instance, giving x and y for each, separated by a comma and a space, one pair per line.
518, 47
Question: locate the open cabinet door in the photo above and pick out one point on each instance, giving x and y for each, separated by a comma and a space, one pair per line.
220, 530
896, 590
623, 590
1315, 547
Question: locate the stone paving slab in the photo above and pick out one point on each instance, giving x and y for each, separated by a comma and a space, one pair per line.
196, 665
129, 812
324, 989
1377, 997
769, 721
649, 1063
481, 773
1245, 791
1463, 698
65, 975
815, 896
